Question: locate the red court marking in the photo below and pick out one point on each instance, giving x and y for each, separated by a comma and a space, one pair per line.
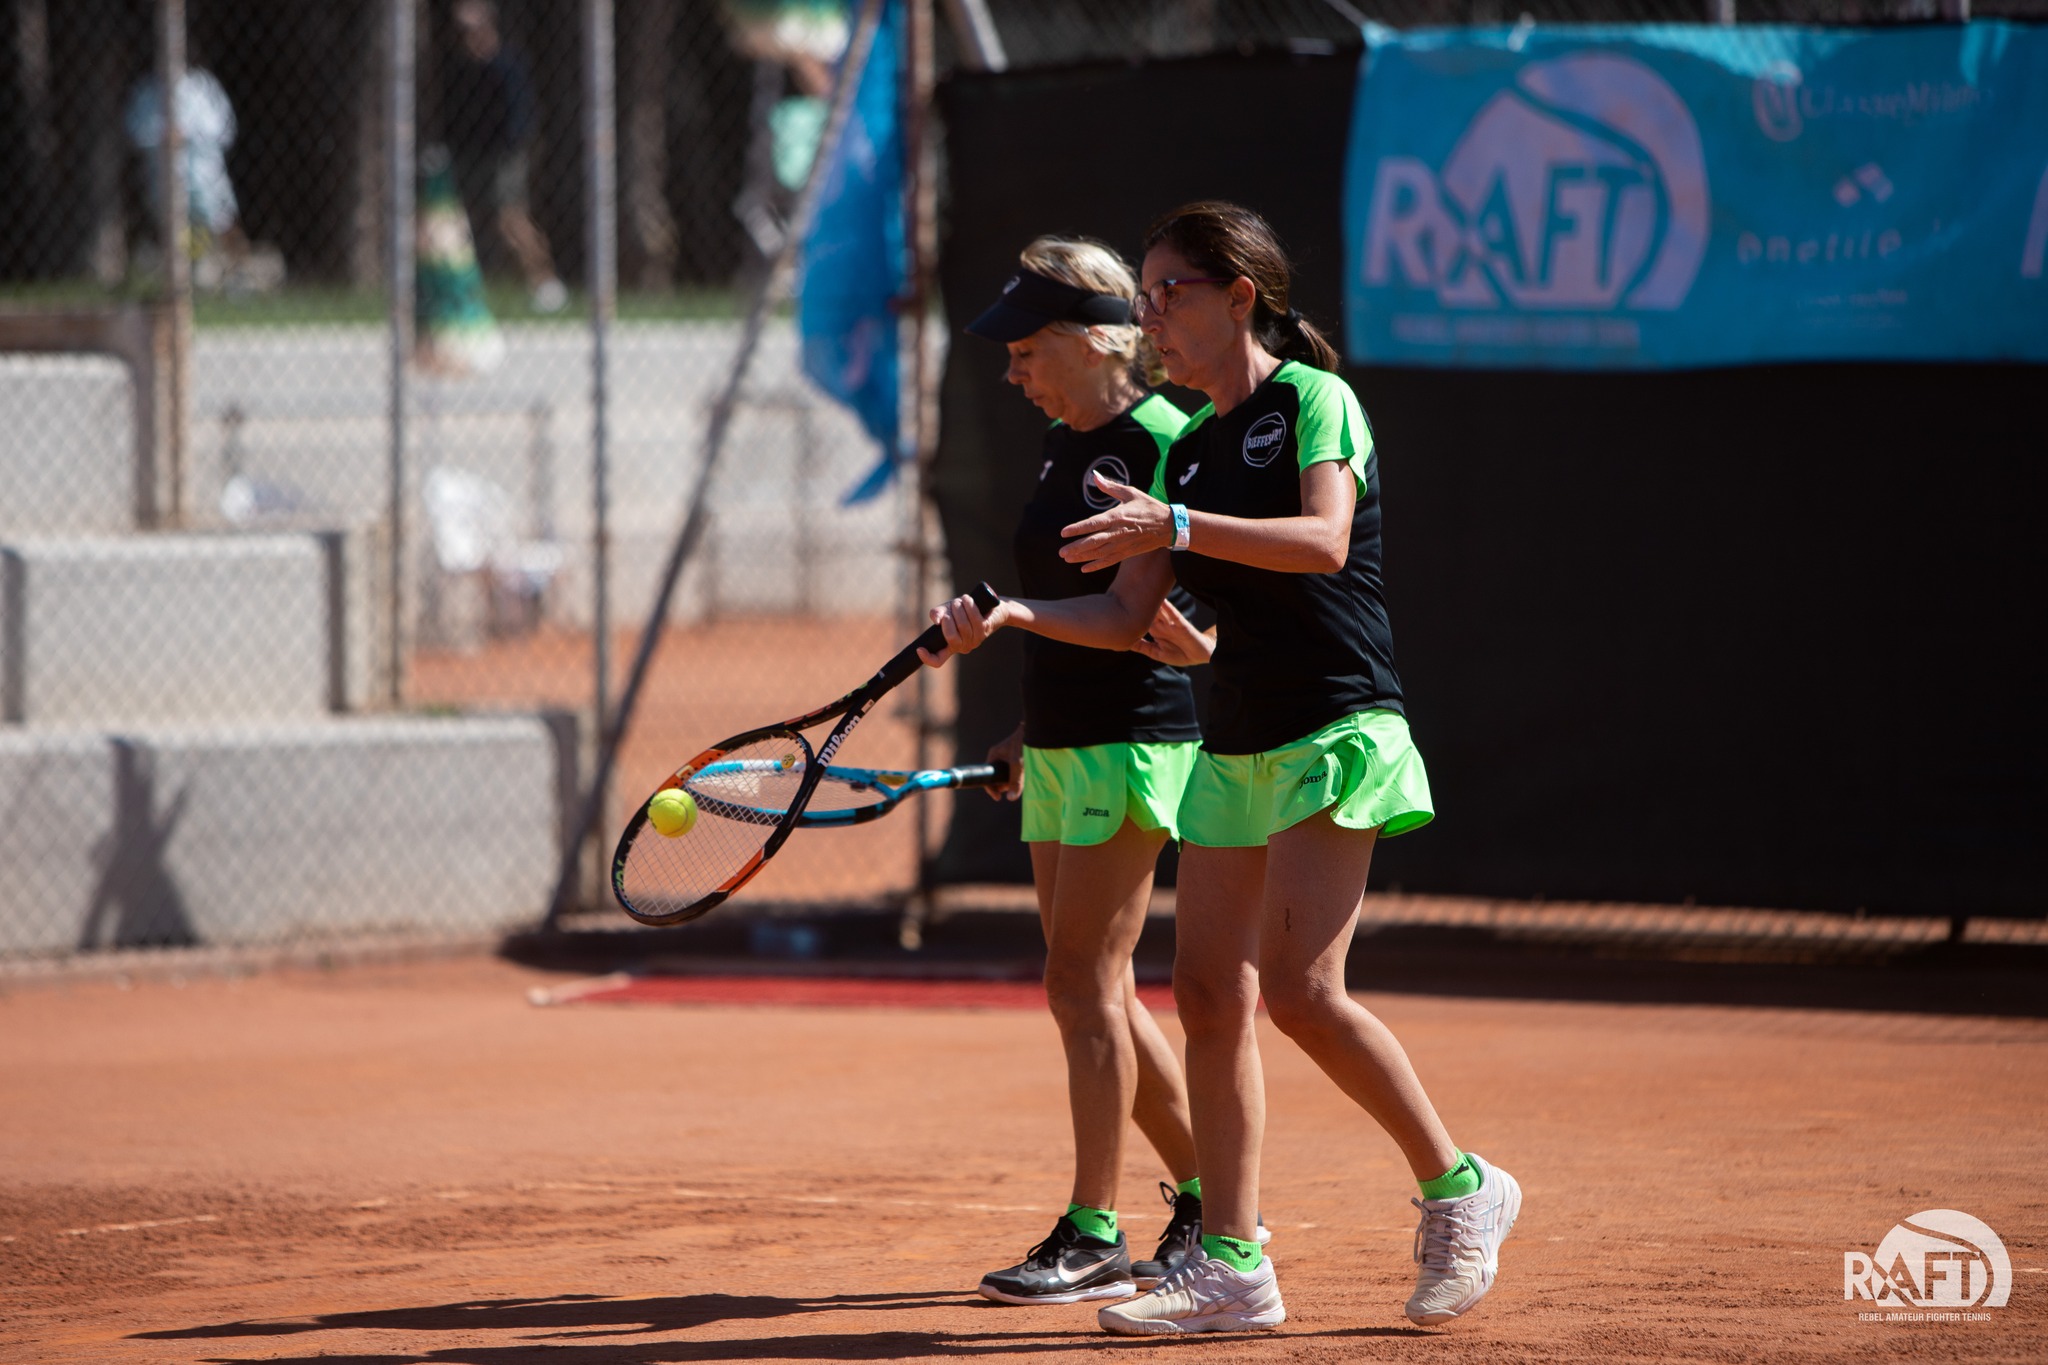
886, 992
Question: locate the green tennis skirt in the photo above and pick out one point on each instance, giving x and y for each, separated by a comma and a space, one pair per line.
1362, 768
1082, 796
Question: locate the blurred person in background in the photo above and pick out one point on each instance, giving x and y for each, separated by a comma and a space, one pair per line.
487, 111
207, 128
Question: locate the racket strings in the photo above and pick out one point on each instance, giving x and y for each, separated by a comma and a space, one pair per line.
740, 799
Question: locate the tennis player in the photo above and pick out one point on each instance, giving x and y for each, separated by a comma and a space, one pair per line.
1267, 508
1104, 749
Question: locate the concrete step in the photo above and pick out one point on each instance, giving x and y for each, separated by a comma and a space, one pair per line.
102, 630
67, 456
261, 834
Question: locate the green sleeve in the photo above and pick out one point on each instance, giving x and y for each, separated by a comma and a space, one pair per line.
1168, 441
1331, 425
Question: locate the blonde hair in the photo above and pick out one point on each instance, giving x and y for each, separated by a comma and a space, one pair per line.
1088, 264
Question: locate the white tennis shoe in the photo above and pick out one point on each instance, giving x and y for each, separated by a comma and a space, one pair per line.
1457, 1246
1203, 1295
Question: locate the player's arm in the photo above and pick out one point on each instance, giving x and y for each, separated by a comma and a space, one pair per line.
1317, 541
1116, 619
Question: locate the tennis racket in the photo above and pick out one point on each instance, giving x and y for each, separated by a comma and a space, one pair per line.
733, 788
751, 790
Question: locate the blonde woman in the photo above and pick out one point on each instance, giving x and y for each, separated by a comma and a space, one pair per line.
1105, 746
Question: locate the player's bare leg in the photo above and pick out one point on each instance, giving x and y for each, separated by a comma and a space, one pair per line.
1216, 987
1100, 893
1315, 873
1231, 1288
1161, 1107
1092, 901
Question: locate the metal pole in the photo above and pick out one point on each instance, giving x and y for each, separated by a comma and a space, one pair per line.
401, 172
600, 94
697, 505
922, 233
174, 322
1721, 11
974, 29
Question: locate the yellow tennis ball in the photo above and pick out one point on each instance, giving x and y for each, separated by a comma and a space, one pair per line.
672, 812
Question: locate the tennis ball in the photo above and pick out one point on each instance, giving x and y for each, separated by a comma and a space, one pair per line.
672, 812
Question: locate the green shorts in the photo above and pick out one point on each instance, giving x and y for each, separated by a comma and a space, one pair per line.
1081, 796
1363, 769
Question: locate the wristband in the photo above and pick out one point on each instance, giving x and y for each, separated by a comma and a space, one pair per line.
1180, 524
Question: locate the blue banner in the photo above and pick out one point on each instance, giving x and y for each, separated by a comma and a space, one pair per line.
852, 268
1612, 197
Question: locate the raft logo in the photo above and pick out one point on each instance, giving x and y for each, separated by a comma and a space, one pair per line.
1936, 1259
1583, 187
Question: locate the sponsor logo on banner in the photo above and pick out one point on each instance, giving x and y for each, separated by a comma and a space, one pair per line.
1775, 98
1263, 441
1583, 188
1931, 1266
1110, 467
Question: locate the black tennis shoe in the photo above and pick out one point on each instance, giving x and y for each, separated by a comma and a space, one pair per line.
1066, 1267
1181, 1241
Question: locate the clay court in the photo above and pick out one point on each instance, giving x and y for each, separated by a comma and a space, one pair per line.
411, 1162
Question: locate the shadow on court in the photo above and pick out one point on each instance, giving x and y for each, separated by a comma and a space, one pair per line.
568, 1315
585, 1328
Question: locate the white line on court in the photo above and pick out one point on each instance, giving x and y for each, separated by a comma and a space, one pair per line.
137, 1227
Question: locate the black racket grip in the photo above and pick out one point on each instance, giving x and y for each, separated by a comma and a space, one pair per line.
995, 774
933, 640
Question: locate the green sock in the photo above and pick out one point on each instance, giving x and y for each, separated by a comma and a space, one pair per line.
1459, 1181
1192, 1185
1233, 1253
1097, 1223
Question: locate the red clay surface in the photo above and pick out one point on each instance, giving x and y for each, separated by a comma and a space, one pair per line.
413, 1164
818, 990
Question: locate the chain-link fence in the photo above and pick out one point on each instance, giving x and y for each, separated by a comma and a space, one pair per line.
300, 622
305, 603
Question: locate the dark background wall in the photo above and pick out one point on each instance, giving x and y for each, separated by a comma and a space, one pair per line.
1761, 636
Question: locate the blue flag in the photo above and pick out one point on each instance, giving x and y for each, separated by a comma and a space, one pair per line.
853, 260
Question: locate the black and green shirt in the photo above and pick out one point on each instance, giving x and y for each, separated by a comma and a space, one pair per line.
1074, 696
1294, 651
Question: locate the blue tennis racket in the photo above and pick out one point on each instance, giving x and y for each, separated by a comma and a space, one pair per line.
749, 789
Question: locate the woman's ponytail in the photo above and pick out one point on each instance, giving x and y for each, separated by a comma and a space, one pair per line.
1293, 337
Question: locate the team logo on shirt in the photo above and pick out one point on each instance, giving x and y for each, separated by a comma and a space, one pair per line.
1263, 442
1110, 467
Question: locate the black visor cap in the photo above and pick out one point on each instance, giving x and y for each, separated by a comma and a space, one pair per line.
1030, 301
